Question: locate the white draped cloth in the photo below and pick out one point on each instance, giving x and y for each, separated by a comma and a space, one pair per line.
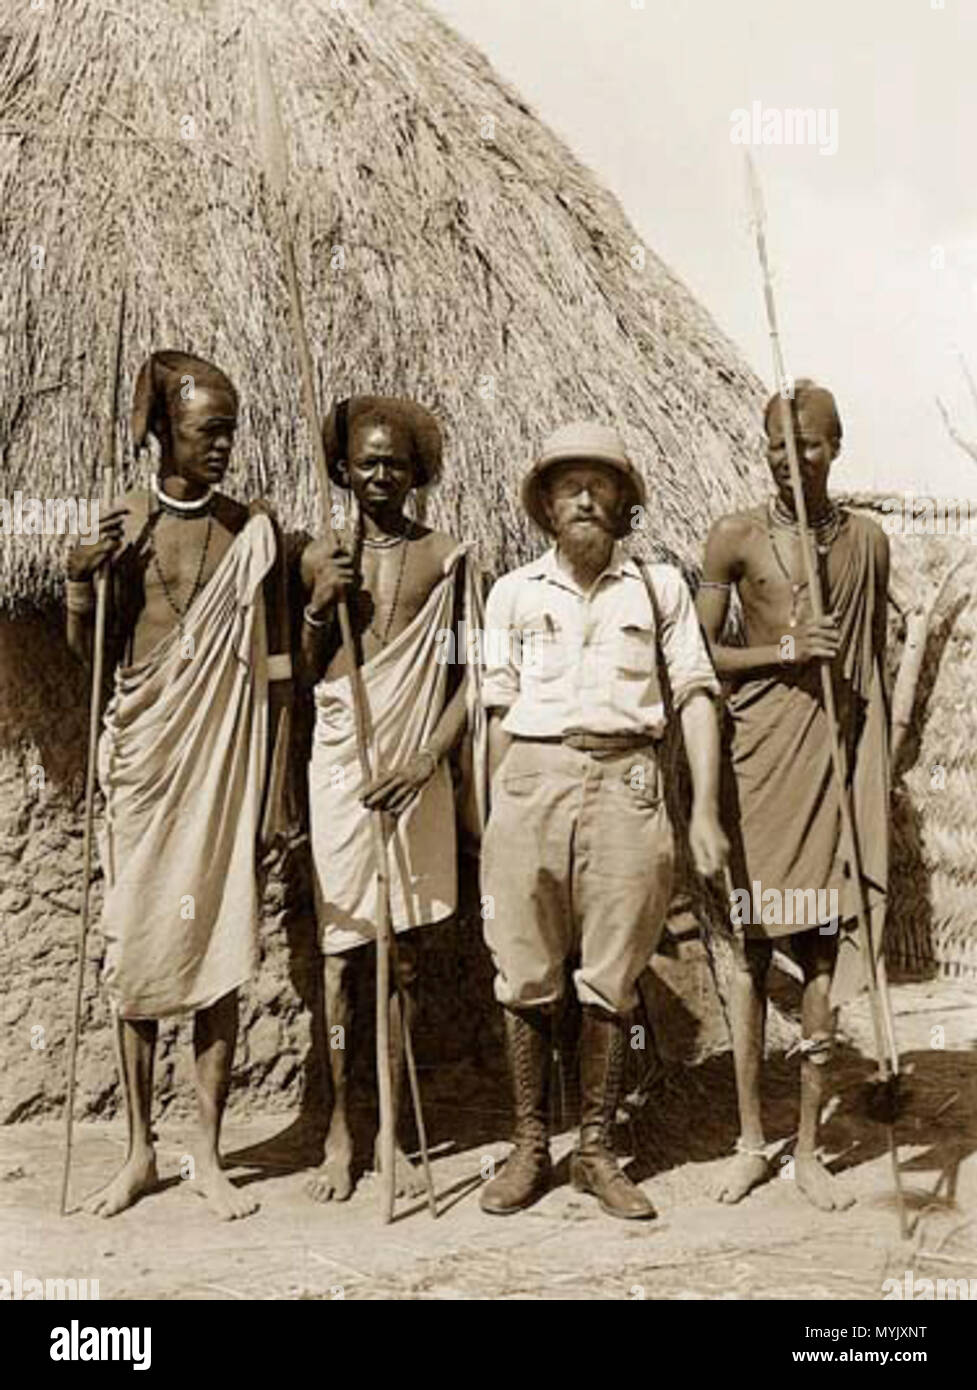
181, 763
405, 685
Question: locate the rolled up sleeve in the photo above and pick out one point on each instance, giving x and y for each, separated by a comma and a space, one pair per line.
684, 647
500, 674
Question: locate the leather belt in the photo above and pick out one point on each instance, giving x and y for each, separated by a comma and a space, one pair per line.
583, 742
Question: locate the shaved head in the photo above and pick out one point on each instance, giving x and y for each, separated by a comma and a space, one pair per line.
819, 407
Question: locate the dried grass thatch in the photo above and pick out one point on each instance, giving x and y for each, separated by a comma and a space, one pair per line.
932, 920
483, 268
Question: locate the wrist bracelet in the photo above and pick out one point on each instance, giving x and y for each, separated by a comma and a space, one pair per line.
309, 617
79, 596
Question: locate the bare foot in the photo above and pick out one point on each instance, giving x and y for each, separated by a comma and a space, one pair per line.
135, 1178
332, 1181
818, 1185
408, 1179
743, 1173
228, 1203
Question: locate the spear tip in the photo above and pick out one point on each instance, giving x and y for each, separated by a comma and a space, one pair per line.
268, 119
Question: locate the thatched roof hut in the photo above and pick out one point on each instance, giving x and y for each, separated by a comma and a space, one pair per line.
449, 246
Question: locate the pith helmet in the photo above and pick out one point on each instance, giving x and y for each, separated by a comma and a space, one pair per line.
583, 442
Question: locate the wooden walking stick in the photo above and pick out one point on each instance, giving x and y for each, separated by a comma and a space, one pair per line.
94, 721
887, 1085
271, 134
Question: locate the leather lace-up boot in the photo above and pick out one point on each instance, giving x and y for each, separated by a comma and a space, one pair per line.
593, 1167
528, 1169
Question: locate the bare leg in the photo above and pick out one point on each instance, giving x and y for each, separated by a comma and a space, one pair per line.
748, 1006
136, 1047
214, 1037
816, 954
409, 1181
333, 1179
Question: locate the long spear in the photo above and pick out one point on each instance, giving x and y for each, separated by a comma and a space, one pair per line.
271, 133
888, 1077
94, 721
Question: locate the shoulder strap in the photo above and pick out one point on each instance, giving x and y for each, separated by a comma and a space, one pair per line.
456, 672
664, 682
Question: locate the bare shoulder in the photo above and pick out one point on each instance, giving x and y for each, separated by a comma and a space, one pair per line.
738, 526
438, 544
732, 539
435, 547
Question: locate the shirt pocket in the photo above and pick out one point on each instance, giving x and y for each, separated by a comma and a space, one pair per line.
543, 647
633, 649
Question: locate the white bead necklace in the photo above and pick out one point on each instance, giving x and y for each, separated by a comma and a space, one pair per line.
196, 507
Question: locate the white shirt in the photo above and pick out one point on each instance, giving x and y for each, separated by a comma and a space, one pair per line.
559, 659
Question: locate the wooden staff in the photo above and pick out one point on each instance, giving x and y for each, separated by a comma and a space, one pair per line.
94, 721
271, 134
887, 1074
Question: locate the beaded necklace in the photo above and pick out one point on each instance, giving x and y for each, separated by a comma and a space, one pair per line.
181, 613
386, 545
826, 532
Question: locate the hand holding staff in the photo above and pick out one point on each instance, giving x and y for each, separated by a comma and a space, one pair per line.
888, 1077
275, 158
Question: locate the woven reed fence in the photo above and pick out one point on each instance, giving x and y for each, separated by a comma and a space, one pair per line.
932, 923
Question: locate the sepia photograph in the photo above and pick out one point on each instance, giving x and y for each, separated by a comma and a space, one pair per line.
488, 668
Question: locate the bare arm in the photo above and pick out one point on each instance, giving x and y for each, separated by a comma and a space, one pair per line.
394, 789
84, 561
316, 647
450, 726
700, 732
723, 567
327, 575
80, 631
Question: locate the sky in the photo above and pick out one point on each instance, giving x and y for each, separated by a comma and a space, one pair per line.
873, 246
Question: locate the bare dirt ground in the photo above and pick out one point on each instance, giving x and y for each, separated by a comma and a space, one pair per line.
773, 1245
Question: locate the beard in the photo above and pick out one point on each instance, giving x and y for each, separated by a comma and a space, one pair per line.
587, 545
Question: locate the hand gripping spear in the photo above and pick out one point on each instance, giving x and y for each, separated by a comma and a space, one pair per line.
274, 153
884, 1104
94, 721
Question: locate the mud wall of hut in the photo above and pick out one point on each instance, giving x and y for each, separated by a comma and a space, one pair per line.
43, 733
